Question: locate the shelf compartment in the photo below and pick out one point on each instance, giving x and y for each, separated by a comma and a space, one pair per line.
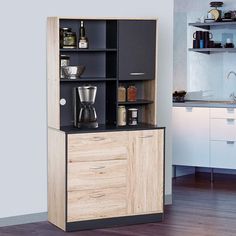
209, 50
138, 102
88, 79
209, 25
88, 50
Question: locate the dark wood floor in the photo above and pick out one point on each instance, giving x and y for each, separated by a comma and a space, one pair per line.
199, 209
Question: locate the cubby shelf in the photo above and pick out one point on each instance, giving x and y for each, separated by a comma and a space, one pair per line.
138, 102
88, 50
89, 79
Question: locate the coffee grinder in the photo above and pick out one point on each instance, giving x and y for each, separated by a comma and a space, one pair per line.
84, 112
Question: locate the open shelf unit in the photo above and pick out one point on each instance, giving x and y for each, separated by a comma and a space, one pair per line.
104, 68
208, 26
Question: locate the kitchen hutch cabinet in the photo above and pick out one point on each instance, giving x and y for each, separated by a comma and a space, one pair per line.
111, 175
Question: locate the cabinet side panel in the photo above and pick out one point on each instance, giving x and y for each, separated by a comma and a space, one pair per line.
53, 72
56, 177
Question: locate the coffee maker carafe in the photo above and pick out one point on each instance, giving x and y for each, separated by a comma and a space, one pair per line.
84, 112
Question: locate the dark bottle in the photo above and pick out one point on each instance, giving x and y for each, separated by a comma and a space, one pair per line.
83, 41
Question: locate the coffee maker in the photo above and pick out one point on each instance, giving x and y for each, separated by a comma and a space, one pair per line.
84, 112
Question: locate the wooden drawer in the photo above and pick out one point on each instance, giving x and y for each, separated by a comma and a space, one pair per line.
96, 204
96, 174
223, 129
98, 146
223, 113
223, 154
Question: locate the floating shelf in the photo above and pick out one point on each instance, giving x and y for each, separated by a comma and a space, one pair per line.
209, 25
209, 50
88, 50
88, 79
138, 102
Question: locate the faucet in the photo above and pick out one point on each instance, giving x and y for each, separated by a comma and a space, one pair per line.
232, 95
231, 73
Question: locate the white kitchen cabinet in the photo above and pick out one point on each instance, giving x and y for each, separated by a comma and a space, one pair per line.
223, 154
191, 135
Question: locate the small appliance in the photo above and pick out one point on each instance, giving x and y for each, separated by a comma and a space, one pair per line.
84, 112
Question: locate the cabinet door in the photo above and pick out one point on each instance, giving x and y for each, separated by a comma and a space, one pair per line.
137, 48
191, 136
145, 183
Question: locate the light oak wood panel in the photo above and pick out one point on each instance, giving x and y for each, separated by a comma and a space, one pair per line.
56, 177
97, 146
96, 204
53, 77
97, 174
145, 185
150, 89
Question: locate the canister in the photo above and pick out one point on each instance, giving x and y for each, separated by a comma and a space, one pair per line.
132, 116
65, 61
121, 121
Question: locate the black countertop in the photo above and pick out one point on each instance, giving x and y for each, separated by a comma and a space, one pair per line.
108, 128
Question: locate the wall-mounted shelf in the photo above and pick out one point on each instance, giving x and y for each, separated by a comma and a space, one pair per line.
88, 50
138, 102
212, 50
89, 79
209, 25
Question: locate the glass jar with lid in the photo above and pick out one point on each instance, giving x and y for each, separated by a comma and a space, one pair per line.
121, 93
68, 39
132, 93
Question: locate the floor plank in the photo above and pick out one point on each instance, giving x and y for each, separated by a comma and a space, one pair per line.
199, 209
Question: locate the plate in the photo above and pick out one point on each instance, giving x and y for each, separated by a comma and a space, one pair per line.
215, 13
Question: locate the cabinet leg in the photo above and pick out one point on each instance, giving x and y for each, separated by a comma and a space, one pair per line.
174, 172
212, 175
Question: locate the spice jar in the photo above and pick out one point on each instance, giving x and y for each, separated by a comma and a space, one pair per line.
132, 116
121, 93
132, 93
121, 121
65, 61
68, 38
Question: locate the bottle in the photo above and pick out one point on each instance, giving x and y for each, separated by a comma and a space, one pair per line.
83, 41
132, 93
121, 93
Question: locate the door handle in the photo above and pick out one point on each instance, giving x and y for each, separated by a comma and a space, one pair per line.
98, 139
136, 73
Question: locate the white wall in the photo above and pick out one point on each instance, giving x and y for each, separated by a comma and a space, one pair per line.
201, 72
23, 161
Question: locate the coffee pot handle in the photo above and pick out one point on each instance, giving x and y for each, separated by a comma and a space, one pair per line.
194, 35
210, 35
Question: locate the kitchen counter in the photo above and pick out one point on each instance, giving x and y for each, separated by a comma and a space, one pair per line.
214, 104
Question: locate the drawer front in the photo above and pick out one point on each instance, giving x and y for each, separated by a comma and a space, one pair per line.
97, 146
96, 204
223, 154
223, 113
223, 129
96, 174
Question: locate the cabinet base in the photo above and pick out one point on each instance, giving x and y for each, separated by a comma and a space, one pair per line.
113, 222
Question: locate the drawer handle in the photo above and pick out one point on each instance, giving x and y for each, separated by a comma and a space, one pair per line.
148, 136
137, 73
230, 142
230, 110
97, 168
98, 139
230, 120
97, 196
189, 109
